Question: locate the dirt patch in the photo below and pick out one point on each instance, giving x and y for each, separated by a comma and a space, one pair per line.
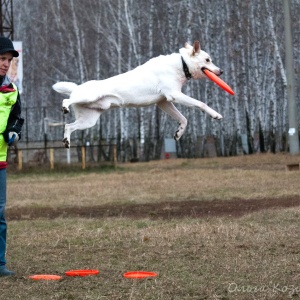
163, 210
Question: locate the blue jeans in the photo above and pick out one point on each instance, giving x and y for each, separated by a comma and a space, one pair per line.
3, 227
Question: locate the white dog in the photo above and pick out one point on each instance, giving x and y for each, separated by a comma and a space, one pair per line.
158, 81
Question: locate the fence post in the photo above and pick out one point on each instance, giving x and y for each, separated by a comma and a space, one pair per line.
20, 160
83, 157
51, 158
114, 153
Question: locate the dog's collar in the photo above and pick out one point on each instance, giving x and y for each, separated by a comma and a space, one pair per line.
187, 73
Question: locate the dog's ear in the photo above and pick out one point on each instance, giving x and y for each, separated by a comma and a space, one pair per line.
196, 48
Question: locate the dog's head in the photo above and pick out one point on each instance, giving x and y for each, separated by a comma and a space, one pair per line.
197, 60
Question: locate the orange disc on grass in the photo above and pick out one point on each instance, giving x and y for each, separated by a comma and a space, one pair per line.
45, 277
139, 274
81, 272
213, 77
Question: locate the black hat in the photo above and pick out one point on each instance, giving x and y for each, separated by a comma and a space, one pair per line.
6, 45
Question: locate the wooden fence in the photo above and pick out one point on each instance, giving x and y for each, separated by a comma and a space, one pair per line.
48, 156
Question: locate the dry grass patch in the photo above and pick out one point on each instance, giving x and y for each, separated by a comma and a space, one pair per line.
256, 176
253, 257
256, 256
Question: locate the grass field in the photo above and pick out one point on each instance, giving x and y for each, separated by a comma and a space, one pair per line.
170, 217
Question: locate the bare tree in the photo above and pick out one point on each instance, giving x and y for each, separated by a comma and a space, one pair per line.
75, 40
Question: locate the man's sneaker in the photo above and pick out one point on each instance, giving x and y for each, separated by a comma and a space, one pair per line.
5, 272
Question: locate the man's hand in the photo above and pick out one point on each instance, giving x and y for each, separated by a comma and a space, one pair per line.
13, 138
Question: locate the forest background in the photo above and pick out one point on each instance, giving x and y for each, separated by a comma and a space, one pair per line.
73, 40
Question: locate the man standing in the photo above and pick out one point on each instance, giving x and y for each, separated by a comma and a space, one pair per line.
10, 132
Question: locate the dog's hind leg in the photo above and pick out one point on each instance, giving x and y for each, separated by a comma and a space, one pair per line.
65, 106
85, 118
172, 111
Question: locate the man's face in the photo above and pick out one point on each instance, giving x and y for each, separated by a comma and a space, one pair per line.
5, 60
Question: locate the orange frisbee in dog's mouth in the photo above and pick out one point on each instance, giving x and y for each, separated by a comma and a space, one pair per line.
213, 77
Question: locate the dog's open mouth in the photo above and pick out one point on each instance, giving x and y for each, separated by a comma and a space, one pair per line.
204, 69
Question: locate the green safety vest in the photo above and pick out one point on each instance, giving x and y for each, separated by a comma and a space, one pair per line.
7, 100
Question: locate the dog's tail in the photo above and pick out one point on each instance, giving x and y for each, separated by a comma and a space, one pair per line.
64, 87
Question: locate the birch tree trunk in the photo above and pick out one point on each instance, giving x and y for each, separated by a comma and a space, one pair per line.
85, 40
78, 40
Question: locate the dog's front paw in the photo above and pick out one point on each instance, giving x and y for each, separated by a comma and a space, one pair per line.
176, 136
217, 117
